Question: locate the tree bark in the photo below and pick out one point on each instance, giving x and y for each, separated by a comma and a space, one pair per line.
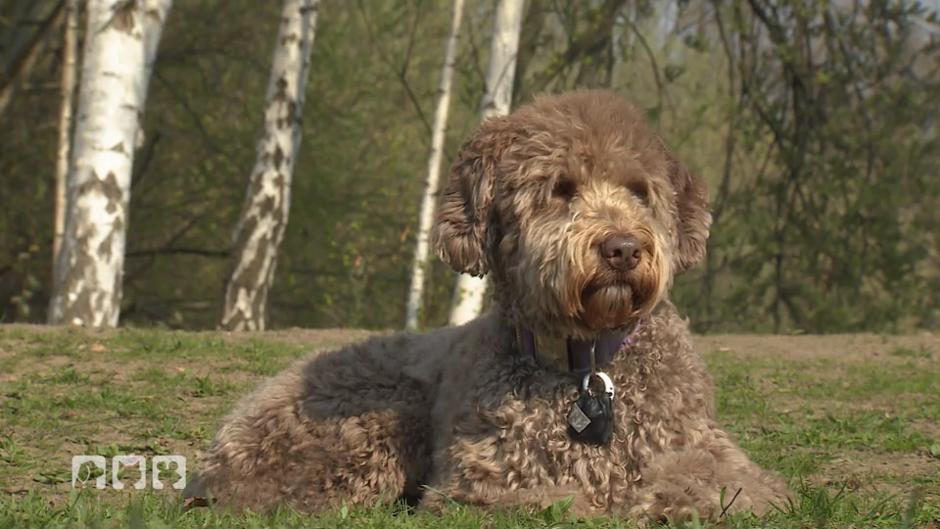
155, 13
426, 216
89, 270
17, 71
470, 290
263, 219
67, 87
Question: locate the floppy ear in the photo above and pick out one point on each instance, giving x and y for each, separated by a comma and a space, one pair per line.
464, 208
693, 218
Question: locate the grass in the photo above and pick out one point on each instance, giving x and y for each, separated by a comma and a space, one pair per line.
858, 435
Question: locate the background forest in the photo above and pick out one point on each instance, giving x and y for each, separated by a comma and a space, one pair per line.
815, 124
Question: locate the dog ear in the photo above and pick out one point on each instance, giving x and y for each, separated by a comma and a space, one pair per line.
464, 208
693, 218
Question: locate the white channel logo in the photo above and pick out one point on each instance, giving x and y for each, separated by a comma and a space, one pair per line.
176, 462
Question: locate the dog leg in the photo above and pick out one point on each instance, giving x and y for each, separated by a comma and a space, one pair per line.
710, 479
436, 500
345, 426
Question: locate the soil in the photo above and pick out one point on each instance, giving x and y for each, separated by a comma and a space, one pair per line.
838, 347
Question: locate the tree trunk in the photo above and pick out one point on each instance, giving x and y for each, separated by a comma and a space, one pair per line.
69, 75
263, 219
89, 270
155, 13
530, 36
17, 71
426, 217
667, 16
469, 291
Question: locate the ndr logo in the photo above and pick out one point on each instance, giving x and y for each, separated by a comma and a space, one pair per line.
85, 468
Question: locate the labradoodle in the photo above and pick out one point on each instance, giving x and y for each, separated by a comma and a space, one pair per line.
581, 382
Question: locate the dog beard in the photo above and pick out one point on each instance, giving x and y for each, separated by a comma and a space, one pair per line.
612, 304
608, 306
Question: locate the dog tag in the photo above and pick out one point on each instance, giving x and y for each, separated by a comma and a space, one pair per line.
591, 419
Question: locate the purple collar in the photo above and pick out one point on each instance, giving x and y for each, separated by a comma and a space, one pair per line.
573, 354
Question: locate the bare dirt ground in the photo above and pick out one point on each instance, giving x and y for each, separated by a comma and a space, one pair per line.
843, 347
847, 348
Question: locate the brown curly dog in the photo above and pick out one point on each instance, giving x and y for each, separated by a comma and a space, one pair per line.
582, 218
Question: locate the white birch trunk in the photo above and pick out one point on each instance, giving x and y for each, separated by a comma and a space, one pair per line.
263, 219
67, 87
470, 290
89, 270
426, 216
667, 19
19, 69
155, 13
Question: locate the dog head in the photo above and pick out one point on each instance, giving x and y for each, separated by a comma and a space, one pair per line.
576, 209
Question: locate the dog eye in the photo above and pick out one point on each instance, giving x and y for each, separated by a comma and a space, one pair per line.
564, 189
640, 191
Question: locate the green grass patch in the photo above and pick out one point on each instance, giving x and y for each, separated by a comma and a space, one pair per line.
857, 438
812, 507
910, 352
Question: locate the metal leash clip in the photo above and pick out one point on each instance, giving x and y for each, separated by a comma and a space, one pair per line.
591, 419
605, 378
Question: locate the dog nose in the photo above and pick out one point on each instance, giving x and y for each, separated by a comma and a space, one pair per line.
622, 252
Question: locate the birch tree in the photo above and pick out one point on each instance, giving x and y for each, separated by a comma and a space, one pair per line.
469, 291
263, 219
25, 52
67, 88
121, 38
426, 215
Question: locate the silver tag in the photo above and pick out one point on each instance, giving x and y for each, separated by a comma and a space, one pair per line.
577, 419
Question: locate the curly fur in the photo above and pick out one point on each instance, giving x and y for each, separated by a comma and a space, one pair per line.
459, 410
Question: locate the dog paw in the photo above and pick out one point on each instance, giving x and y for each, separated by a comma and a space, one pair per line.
668, 502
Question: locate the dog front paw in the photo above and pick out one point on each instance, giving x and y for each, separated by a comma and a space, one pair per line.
674, 502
